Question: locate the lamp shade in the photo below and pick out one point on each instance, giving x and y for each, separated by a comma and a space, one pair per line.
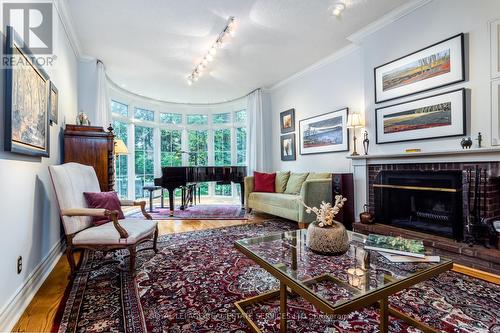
354, 120
120, 147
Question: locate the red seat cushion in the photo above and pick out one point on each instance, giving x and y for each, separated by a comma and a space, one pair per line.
264, 182
106, 200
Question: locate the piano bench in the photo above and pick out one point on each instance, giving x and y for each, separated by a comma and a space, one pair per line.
152, 189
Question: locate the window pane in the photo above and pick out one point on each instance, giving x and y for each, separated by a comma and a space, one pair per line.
121, 164
119, 108
171, 118
144, 160
221, 118
197, 119
224, 190
143, 114
222, 146
198, 147
241, 145
170, 142
240, 116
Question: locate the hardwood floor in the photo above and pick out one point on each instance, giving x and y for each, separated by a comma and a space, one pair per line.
40, 314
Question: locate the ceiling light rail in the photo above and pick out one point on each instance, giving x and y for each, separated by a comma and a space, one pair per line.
222, 39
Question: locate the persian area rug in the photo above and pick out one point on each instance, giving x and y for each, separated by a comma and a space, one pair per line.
198, 212
192, 283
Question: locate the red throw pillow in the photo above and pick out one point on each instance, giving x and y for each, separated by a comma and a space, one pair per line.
106, 200
264, 182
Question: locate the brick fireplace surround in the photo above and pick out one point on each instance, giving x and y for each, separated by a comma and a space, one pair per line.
476, 256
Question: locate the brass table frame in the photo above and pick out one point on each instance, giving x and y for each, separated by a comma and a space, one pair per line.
379, 296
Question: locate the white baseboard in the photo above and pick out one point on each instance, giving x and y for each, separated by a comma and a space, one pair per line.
11, 313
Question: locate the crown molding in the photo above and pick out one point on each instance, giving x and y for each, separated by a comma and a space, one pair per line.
66, 21
387, 19
323, 62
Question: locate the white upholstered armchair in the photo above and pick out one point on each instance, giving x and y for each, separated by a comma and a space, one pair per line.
70, 181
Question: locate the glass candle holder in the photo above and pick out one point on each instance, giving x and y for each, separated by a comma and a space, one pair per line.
356, 277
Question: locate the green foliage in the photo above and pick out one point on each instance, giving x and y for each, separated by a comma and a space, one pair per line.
170, 142
171, 118
144, 158
119, 108
221, 118
198, 147
241, 146
143, 114
240, 116
197, 119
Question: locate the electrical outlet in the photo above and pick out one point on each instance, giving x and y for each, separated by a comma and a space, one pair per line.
19, 264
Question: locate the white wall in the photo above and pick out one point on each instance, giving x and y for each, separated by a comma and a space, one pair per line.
331, 87
348, 81
29, 218
87, 90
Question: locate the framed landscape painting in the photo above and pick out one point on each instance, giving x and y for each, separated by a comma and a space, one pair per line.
324, 133
431, 117
435, 66
287, 145
26, 101
54, 103
287, 121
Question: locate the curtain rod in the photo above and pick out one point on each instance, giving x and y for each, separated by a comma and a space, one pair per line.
169, 102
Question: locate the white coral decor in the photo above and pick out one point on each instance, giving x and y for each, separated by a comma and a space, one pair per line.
326, 213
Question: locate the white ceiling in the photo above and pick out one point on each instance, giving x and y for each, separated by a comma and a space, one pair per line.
150, 46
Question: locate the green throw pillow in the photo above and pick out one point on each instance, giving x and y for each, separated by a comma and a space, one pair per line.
319, 175
295, 182
281, 180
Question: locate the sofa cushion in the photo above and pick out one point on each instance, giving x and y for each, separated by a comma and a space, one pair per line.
264, 182
281, 180
106, 233
319, 175
106, 200
287, 201
294, 183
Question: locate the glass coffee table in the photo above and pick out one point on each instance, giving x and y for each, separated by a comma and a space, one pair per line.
358, 279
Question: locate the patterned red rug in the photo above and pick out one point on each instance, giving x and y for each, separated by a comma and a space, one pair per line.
198, 212
191, 284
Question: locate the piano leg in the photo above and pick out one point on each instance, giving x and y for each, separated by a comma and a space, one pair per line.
171, 192
183, 198
242, 194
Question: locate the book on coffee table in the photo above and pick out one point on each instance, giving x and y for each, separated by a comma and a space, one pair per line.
398, 258
395, 245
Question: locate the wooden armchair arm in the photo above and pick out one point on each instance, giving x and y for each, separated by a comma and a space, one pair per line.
142, 204
113, 214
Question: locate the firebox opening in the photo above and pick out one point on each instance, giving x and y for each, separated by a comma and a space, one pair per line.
429, 202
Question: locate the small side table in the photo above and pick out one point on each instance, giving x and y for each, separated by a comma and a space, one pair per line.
152, 189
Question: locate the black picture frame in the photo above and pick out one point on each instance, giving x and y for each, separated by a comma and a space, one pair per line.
288, 139
344, 112
462, 120
461, 69
287, 121
53, 103
14, 47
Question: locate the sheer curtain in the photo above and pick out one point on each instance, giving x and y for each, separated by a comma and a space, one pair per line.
103, 112
255, 142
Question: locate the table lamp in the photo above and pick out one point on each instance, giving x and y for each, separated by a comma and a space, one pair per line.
120, 147
354, 121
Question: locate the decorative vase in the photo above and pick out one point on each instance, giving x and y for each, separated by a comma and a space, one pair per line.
330, 240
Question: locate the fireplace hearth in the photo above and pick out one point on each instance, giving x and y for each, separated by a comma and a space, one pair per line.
425, 201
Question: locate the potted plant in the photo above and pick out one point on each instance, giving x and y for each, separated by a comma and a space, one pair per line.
325, 235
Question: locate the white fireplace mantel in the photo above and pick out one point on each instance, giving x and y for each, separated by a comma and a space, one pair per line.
462, 155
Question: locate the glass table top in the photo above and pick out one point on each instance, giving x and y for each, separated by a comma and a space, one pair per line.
335, 279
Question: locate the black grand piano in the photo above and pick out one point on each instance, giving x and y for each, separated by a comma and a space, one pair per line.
184, 177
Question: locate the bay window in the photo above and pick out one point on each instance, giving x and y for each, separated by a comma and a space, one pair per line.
175, 137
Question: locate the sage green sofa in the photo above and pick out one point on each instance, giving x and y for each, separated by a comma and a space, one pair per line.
312, 188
